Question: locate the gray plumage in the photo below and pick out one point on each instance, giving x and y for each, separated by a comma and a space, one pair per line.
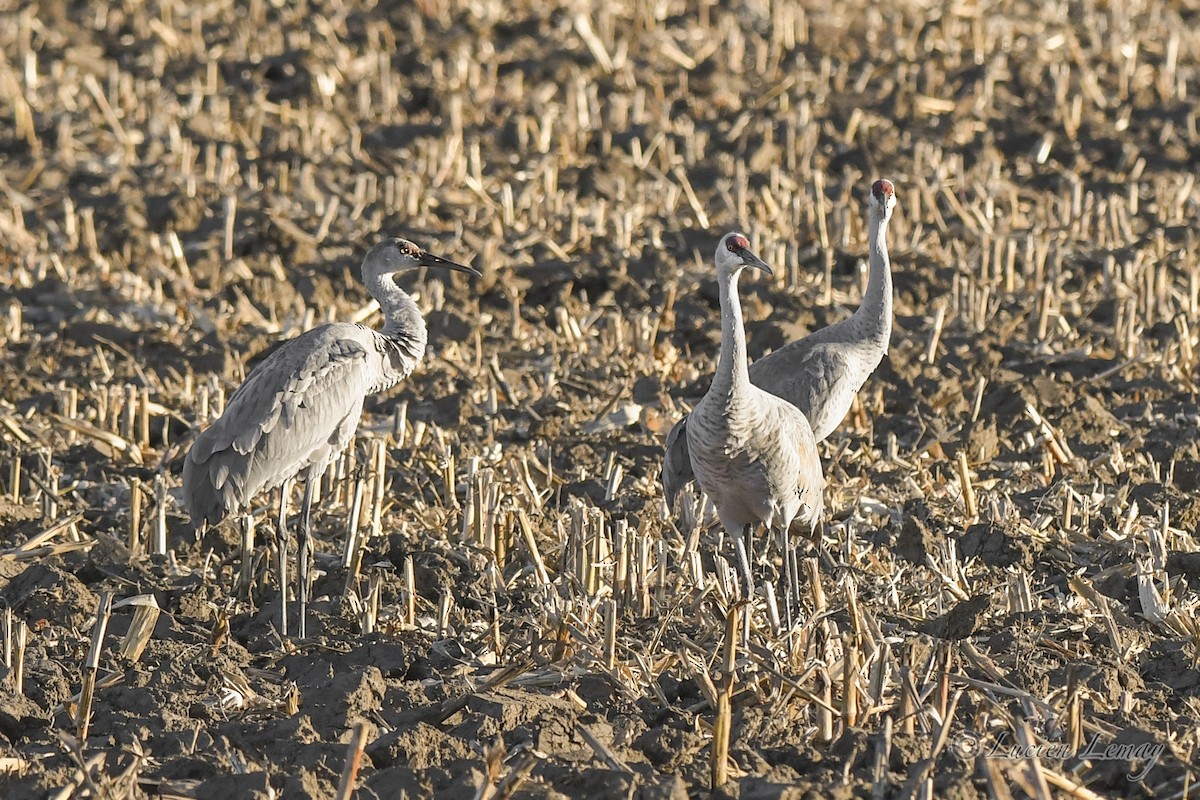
821, 373
299, 408
295, 413
752, 453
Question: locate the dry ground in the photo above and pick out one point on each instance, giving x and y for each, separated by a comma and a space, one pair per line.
1014, 500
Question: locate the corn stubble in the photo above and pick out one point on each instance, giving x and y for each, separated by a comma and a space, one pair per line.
182, 194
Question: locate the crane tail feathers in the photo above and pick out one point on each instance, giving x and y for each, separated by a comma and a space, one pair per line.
205, 502
219, 474
245, 442
677, 464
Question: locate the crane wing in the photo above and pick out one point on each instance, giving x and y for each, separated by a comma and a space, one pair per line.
798, 473
816, 379
298, 408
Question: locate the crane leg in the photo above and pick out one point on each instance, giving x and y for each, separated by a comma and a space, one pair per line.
794, 560
742, 552
748, 538
790, 595
281, 551
304, 549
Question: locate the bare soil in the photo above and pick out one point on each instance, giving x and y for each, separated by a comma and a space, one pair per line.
1011, 609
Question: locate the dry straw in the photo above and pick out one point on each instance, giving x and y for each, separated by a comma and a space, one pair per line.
1012, 495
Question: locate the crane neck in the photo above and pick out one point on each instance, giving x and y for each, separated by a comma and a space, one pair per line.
402, 320
732, 376
875, 312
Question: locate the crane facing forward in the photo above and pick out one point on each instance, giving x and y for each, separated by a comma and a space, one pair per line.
299, 408
753, 453
821, 373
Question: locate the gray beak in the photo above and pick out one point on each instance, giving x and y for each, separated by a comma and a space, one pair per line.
430, 260
751, 260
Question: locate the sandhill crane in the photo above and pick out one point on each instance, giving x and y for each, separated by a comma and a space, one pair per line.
821, 373
752, 453
299, 408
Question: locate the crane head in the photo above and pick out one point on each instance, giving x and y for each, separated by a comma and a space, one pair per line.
883, 196
733, 253
397, 255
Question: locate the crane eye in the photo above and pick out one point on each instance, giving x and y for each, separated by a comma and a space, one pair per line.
737, 244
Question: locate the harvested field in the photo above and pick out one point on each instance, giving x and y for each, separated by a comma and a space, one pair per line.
1015, 497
